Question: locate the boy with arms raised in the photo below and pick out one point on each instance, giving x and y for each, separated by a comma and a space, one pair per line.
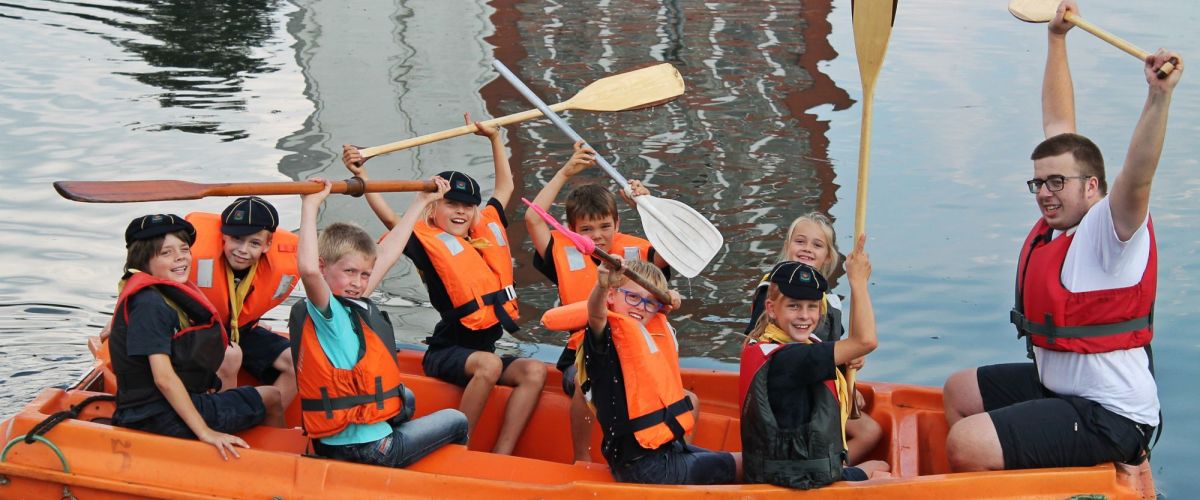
351, 398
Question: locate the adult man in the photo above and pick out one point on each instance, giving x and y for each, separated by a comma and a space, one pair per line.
1085, 289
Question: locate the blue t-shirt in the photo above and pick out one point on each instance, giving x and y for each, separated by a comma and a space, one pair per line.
336, 335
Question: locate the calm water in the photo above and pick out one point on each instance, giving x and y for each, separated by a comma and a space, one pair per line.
268, 90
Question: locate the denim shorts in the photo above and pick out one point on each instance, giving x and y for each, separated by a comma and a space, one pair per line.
408, 442
677, 463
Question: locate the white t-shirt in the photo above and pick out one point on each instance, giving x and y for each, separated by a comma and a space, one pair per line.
1118, 380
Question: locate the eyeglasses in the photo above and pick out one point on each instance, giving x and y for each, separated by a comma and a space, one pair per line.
1053, 183
633, 299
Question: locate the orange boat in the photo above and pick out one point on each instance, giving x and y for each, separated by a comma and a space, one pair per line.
90, 459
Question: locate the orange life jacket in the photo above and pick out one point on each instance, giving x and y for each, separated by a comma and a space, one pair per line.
479, 281
577, 272
274, 277
658, 411
332, 398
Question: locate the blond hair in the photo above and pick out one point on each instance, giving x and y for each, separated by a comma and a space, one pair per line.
342, 238
830, 265
774, 295
646, 270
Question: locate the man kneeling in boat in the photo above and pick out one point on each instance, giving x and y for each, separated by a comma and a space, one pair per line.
630, 368
351, 398
1086, 283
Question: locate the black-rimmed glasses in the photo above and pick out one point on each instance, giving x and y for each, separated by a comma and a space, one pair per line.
1053, 182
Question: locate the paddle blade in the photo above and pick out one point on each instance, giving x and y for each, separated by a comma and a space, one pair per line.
1033, 11
641, 88
128, 191
873, 21
683, 237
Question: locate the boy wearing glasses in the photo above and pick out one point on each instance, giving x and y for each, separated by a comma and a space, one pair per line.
1086, 283
631, 360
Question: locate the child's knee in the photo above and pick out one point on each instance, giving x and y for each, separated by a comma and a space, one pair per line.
233, 359
271, 398
284, 363
485, 366
532, 372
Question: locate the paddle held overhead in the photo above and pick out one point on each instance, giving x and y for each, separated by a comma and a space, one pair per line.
1043, 11
163, 190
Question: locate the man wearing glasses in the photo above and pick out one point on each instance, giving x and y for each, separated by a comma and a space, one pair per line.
1085, 289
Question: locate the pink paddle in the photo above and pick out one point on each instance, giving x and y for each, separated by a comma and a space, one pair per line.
588, 247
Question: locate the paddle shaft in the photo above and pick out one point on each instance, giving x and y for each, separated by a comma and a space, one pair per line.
455, 132
1117, 42
657, 292
166, 190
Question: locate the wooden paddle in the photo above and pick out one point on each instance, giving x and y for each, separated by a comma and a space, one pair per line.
588, 247
637, 89
1043, 11
162, 190
683, 237
872, 28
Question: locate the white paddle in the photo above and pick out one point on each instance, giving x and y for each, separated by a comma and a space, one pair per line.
683, 237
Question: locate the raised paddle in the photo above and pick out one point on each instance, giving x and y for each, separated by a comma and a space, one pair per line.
683, 237
162, 190
637, 89
1043, 11
588, 247
872, 28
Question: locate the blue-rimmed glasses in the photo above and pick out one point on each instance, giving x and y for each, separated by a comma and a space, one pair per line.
632, 298
1054, 183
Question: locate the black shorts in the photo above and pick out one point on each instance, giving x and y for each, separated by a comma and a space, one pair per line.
449, 363
260, 348
1038, 428
230, 412
568, 380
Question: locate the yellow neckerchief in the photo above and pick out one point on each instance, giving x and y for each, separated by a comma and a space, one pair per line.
237, 297
776, 335
478, 243
184, 320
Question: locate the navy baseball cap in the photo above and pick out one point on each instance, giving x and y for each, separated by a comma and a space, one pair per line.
150, 226
248, 215
799, 280
462, 187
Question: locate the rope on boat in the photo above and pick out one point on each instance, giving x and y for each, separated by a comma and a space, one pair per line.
35, 434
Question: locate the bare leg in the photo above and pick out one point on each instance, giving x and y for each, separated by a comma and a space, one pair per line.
973, 445
581, 426
484, 369
228, 370
862, 435
270, 397
527, 377
961, 396
285, 383
875, 468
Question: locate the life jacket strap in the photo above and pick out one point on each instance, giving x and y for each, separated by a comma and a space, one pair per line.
664, 416
328, 404
495, 299
1027, 327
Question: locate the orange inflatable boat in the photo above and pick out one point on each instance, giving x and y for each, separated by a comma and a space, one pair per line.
85, 457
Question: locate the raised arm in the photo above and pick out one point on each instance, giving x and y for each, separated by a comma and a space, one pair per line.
504, 177
308, 260
598, 301
539, 231
1058, 92
1129, 197
861, 339
354, 163
392, 246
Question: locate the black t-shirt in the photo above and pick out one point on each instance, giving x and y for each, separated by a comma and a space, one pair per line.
152, 325
797, 372
453, 332
607, 386
544, 262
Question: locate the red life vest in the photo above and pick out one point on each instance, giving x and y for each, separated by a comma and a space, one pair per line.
332, 398
197, 350
658, 411
274, 277
577, 272
1085, 322
479, 281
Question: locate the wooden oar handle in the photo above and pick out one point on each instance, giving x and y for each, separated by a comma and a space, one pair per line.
455, 132
657, 292
167, 190
1118, 42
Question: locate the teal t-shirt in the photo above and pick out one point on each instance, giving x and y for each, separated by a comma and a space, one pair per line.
335, 333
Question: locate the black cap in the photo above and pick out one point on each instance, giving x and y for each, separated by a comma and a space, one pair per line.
462, 187
799, 280
149, 226
248, 215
